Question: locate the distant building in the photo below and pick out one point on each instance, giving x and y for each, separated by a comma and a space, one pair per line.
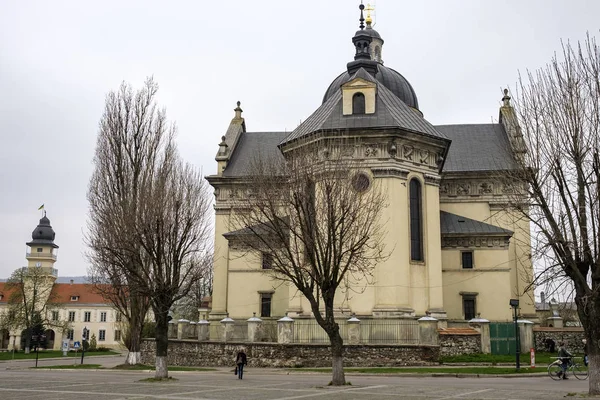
72, 305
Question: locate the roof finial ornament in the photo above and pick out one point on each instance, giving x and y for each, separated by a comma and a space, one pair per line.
506, 98
238, 111
369, 20
362, 19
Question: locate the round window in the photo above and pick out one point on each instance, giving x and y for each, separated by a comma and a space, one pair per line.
361, 182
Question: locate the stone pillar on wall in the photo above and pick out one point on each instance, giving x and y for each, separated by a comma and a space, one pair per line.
203, 330
285, 330
428, 330
526, 335
254, 328
172, 330
353, 330
556, 322
182, 326
228, 325
482, 326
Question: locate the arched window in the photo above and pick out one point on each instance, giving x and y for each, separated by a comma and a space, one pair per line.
416, 221
358, 103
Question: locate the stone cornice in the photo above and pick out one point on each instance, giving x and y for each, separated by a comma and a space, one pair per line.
476, 242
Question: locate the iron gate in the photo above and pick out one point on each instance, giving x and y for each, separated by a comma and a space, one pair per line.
502, 337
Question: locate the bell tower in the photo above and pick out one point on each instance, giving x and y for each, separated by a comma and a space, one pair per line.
42, 251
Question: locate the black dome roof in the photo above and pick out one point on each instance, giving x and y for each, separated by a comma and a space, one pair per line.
43, 234
389, 78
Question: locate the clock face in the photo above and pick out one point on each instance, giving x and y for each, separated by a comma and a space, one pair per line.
38, 264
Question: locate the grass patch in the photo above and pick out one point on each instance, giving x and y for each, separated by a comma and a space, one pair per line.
143, 367
540, 358
167, 379
75, 366
20, 355
432, 370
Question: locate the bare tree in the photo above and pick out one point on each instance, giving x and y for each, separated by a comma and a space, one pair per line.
30, 302
188, 307
319, 222
132, 134
174, 234
558, 108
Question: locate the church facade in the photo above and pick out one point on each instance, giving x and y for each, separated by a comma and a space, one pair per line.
457, 251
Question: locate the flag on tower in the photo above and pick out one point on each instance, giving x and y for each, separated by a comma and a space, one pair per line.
41, 207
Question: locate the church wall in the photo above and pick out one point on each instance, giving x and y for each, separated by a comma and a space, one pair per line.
220, 266
520, 258
491, 287
393, 276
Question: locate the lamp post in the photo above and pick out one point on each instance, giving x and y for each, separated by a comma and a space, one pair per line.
514, 303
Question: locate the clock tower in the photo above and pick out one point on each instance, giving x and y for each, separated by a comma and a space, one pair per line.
42, 251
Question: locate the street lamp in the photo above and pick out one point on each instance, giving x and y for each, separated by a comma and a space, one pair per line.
514, 303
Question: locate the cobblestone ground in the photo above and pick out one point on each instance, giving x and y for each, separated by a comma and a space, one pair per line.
270, 385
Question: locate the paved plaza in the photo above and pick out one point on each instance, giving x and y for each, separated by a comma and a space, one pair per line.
18, 381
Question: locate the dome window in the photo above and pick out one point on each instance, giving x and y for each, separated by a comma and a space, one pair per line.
358, 103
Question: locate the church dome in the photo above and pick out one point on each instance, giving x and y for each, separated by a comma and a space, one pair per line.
43, 233
388, 77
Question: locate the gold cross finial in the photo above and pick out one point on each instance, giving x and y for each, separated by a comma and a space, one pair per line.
369, 8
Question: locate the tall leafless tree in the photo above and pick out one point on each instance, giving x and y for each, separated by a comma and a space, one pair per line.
30, 302
558, 108
133, 133
149, 215
321, 224
174, 233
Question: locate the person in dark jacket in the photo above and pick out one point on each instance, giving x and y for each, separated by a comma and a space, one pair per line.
565, 357
240, 361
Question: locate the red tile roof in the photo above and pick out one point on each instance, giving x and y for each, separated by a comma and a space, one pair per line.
62, 293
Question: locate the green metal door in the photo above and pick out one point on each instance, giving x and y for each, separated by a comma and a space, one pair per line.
502, 337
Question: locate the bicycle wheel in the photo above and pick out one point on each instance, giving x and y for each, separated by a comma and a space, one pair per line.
580, 371
555, 371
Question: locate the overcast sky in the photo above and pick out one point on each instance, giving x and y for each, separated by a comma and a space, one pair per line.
58, 59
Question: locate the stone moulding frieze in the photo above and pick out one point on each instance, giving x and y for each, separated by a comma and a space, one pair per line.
389, 172
432, 180
491, 242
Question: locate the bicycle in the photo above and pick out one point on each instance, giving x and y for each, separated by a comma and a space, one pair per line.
555, 370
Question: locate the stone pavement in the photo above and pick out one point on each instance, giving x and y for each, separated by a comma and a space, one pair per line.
21, 382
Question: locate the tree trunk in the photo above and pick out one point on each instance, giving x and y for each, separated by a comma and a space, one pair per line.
337, 359
136, 323
162, 343
594, 372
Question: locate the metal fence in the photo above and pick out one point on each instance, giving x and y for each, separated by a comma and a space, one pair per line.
388, 331
372, 331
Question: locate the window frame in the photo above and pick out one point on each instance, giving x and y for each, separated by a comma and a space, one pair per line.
468, 297
462, 259
71, 317
55, 315
102, 335
70, 334
87, 316
359, 107
267, 260
415, 220
117, 335
103, 316
266, 298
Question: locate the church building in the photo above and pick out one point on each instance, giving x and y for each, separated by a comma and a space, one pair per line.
458, 251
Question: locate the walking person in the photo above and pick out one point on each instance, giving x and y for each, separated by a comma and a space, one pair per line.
565, 357
240, 361
585, 352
